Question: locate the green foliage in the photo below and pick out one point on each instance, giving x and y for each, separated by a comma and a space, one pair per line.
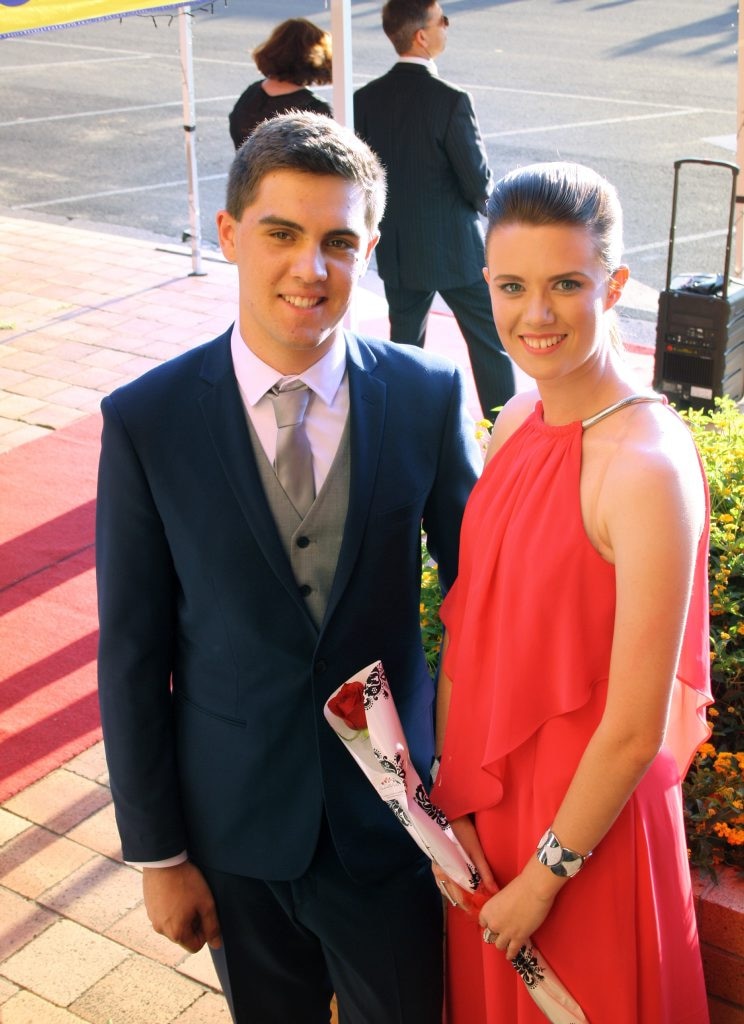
431, 598
714, 787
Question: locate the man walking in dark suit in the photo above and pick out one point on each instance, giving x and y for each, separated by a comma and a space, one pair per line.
426, 134
233, 602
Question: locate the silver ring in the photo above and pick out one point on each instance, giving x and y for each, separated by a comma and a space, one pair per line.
489, 936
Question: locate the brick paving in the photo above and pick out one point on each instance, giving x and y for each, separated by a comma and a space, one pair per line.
83, 310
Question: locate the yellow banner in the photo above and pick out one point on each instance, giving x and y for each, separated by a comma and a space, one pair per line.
17, 17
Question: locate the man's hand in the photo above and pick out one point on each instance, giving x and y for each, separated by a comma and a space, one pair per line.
180, 906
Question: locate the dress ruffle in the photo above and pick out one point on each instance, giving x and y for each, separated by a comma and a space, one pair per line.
520, 525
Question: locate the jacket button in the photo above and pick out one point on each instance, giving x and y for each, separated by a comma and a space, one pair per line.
306, 590
320, 666
302, 542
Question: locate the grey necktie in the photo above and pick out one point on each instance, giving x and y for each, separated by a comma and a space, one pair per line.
294, 460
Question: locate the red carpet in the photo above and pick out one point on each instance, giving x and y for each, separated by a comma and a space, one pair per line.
48, 623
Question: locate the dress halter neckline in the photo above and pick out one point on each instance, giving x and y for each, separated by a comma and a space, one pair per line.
630, 400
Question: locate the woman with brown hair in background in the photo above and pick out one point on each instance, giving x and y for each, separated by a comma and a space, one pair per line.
296, 54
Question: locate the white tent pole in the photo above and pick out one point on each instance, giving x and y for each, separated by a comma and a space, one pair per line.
343, 93
739, 233
189, 127
343, 104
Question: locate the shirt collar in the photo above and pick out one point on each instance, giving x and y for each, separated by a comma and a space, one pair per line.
426, 62
255, 377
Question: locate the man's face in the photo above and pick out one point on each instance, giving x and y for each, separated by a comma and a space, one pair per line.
300, 247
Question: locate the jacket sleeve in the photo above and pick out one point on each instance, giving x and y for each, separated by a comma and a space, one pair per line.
467, 154
137, 591
359, 118
458, 466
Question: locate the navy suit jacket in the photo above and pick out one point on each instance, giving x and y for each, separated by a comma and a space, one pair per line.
426, 134
212, 675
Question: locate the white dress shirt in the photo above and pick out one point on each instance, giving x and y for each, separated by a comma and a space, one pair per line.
426, 61
327, 410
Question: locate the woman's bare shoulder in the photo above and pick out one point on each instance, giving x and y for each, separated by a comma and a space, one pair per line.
511, 417
655, 435
655, 460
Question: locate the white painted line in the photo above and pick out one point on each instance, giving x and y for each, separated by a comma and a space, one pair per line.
115, 192
590, 99
604, 99
105, 49
76, 63
679, 240
104, 113
588, 124
724, 141
38, 41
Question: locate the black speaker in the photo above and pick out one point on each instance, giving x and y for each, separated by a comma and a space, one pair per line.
700, 327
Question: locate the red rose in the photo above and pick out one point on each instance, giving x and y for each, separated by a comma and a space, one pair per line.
348, 705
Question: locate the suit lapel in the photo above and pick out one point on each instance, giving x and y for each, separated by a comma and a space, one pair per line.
224, 415
367, 403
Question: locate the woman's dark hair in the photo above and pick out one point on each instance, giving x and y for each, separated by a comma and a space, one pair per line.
296, 51
561, 193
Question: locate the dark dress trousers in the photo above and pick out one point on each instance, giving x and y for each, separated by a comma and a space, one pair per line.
212, 674
426, 133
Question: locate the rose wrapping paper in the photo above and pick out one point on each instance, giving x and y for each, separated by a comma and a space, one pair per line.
363, 715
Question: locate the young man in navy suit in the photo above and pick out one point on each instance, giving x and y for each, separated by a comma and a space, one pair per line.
229, 615
426, 133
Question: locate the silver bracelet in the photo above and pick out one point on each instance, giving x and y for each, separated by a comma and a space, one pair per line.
562, 862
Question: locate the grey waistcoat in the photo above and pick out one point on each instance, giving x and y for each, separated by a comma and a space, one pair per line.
312, 544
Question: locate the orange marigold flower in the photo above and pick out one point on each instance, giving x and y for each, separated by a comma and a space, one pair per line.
723, 762
733, 836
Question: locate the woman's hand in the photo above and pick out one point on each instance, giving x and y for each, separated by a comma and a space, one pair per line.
464, 829
518, 910
465, 832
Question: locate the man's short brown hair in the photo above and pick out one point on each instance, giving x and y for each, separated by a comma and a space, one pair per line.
401, 20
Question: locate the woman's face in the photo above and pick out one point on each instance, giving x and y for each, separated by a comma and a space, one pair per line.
550, 294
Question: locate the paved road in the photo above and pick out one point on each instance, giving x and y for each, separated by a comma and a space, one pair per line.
91, 119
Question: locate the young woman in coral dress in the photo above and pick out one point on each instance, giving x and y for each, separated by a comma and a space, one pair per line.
575, 675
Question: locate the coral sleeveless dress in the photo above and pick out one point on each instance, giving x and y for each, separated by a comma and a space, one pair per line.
530, 621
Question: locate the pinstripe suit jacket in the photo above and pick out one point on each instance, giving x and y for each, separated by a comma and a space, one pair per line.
426, 134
